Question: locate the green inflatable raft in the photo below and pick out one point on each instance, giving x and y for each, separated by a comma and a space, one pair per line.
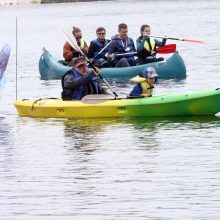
173, 67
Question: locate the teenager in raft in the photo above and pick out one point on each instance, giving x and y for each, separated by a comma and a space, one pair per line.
146, 46
69, 52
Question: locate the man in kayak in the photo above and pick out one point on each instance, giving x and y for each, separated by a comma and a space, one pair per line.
120, 45
146, 46
68, 52
145, 83
80, 81
98, 49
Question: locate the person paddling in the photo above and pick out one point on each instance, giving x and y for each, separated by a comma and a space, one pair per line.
121, 44
68, 52
80, 81
146, 46
145, 83
98, 49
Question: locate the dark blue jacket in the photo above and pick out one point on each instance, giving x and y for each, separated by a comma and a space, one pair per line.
119, 46
136, 91
76, 86
95, 47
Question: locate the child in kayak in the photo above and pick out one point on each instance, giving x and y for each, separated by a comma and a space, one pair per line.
145, 83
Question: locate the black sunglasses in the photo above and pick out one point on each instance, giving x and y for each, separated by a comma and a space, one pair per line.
101, 33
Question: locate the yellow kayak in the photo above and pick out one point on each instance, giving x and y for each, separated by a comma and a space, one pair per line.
96, 106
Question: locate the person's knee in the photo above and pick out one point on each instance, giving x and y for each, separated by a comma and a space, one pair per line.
101, 63
160, 59
123, 62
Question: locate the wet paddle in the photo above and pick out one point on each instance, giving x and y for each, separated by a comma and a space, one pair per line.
72, 41
4, 56
100, 98
169, 48
125, 54
95, 99
180, 39
102, 49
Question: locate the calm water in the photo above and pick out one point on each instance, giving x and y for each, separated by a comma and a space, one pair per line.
133, 168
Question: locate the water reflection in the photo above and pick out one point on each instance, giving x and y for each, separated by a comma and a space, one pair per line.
6, 149
109, 168
81, 132
97, 124
4, 132
90, 134
173, 81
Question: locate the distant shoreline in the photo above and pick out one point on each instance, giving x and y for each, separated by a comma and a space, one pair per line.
23, 2
18, 2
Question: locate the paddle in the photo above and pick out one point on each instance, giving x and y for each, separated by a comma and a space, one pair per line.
180, 39
125, 54
102, 49
4, 56
72, 41
169, 48
100, 98
95, 99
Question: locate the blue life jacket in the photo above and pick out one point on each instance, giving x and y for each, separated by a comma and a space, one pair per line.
125, 47
78, 93
100, 46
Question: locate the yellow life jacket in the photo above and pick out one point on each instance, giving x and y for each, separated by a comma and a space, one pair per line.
147, 46
82, 43
146, 87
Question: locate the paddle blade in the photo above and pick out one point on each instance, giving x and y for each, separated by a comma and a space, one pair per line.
169, 48
4, 56
95, 99
194, 41
71, 39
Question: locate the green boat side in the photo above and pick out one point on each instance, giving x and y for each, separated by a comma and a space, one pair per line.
50, 67
173, 67
201, 103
